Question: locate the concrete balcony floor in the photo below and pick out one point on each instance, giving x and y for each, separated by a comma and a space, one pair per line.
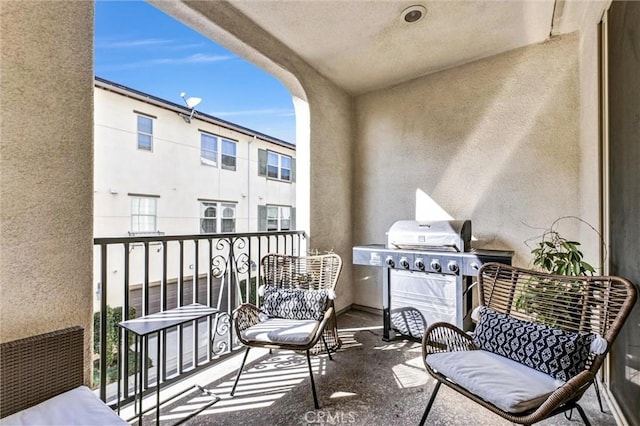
369, 382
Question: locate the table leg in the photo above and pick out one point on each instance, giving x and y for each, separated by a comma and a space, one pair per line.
119, 360
158, 379
141, 354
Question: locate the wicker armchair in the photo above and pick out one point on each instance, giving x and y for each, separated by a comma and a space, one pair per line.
290, 318
563, 305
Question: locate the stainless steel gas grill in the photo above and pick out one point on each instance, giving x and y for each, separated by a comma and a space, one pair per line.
428, 268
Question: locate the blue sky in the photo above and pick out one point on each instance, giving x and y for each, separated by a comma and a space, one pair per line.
139, 46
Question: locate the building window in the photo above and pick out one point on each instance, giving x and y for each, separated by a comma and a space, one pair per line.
272, 218
208, 149
208, 217
278, 218
285, 167
228, 217
272, 165
144, 214
275, 165
216, 215
228, 155
145, 133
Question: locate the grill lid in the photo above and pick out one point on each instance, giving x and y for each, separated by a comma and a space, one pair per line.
444, 235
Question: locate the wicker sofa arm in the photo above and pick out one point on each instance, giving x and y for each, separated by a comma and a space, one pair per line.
40, 367
445, 337
245, 316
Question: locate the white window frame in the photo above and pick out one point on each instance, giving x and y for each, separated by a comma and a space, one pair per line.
283, 168
144, 226
225, 214
204, 206
212, 158
219, 154
144, 134
226, 219
275, 161
278, 215
226, 143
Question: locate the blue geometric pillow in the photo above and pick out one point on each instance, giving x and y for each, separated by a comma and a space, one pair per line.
296, 304
558, 353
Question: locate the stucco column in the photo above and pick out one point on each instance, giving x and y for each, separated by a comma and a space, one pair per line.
46, 87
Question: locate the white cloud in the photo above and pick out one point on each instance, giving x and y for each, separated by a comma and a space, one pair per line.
111, 44
192, 59
147, 43
197, 58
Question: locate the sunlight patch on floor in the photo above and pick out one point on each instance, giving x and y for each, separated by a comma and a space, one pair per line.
342, 394
398, 346
348, 340
408, 376
259, 386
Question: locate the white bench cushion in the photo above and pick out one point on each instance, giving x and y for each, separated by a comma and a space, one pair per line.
79, 406
282, 331
507, 384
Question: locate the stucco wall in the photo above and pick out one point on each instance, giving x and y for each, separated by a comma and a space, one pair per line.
47, 167
496, 141
590, 124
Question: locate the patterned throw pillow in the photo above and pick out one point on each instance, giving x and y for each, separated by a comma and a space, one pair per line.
558, 353
295, 304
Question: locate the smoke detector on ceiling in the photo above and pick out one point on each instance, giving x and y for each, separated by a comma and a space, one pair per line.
414, 13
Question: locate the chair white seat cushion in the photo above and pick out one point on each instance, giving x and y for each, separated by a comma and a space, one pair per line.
282, 331
507, 384
79, 406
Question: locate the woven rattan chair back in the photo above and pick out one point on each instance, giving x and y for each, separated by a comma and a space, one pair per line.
309, 273
589, 304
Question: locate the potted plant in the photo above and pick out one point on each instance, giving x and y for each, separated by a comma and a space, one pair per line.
557, 255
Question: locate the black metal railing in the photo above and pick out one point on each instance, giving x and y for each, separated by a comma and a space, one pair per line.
137, 276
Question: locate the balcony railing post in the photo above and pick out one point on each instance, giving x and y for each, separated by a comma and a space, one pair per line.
103, 322
125, 316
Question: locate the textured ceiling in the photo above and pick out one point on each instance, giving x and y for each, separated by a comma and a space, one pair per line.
365, 45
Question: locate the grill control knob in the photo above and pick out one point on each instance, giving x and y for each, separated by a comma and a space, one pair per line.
390, 263
453, 267
475, 266
419, 264
404, 263
435, 265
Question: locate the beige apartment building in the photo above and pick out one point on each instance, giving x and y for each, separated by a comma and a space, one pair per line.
161, 170
158, 171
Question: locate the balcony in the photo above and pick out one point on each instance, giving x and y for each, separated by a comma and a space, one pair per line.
138, 276
369, 382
